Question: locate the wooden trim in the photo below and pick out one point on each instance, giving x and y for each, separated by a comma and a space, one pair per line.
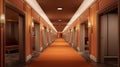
89, 33
97, 36
119, 30
2, 31
11, 6
35, 21
99, 13
107, 8
22, 39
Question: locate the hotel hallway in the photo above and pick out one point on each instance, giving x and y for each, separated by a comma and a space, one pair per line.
60, 54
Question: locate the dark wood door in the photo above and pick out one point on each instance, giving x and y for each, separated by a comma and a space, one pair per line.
22, 39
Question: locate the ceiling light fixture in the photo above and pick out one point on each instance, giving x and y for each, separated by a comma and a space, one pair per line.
59, 20
59, 8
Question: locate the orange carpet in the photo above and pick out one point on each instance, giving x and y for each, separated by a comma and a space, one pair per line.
59, 54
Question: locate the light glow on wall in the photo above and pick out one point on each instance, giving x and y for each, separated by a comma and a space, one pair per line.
2, 17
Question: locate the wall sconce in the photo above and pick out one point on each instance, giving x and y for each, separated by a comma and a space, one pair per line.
89, 24
32, 24
47, 30
76, 28
42, 28
2, 18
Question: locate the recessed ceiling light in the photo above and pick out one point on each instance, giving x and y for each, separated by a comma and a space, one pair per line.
59, 8
59, 20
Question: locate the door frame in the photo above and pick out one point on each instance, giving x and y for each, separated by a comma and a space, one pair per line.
37, 47
98, 15
119, 30
2, 31
89, 32
44, 37
21, 14
81, 37
75, 37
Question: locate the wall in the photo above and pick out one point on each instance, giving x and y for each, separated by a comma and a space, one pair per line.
91, 15
35, 15
30, 14
28, 30
93, 40
19, 4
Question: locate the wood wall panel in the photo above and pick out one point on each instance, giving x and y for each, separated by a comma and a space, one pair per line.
119, 30
11, 15
78, 33
93, 45
2, 28
105, 3
84, 16
35, 15
28, 30
41, 41
17, 3
91, 13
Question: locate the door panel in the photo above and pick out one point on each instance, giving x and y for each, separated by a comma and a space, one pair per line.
75, 39
103, 35
113, 35
22, 39
37, 37
43, 38
82, 40
109, 41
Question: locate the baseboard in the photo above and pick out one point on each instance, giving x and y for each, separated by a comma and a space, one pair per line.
41, 48
93, 58
78, 49
110, 56
72, 44
28, 57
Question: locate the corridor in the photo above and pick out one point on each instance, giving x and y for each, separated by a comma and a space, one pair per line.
59, 54
59, 33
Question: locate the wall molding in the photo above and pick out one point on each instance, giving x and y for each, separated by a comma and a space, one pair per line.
93, 58
28, 57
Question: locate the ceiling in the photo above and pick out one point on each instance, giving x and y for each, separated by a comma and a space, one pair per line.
59, 18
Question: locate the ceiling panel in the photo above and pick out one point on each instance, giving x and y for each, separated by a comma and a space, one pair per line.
50, 8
